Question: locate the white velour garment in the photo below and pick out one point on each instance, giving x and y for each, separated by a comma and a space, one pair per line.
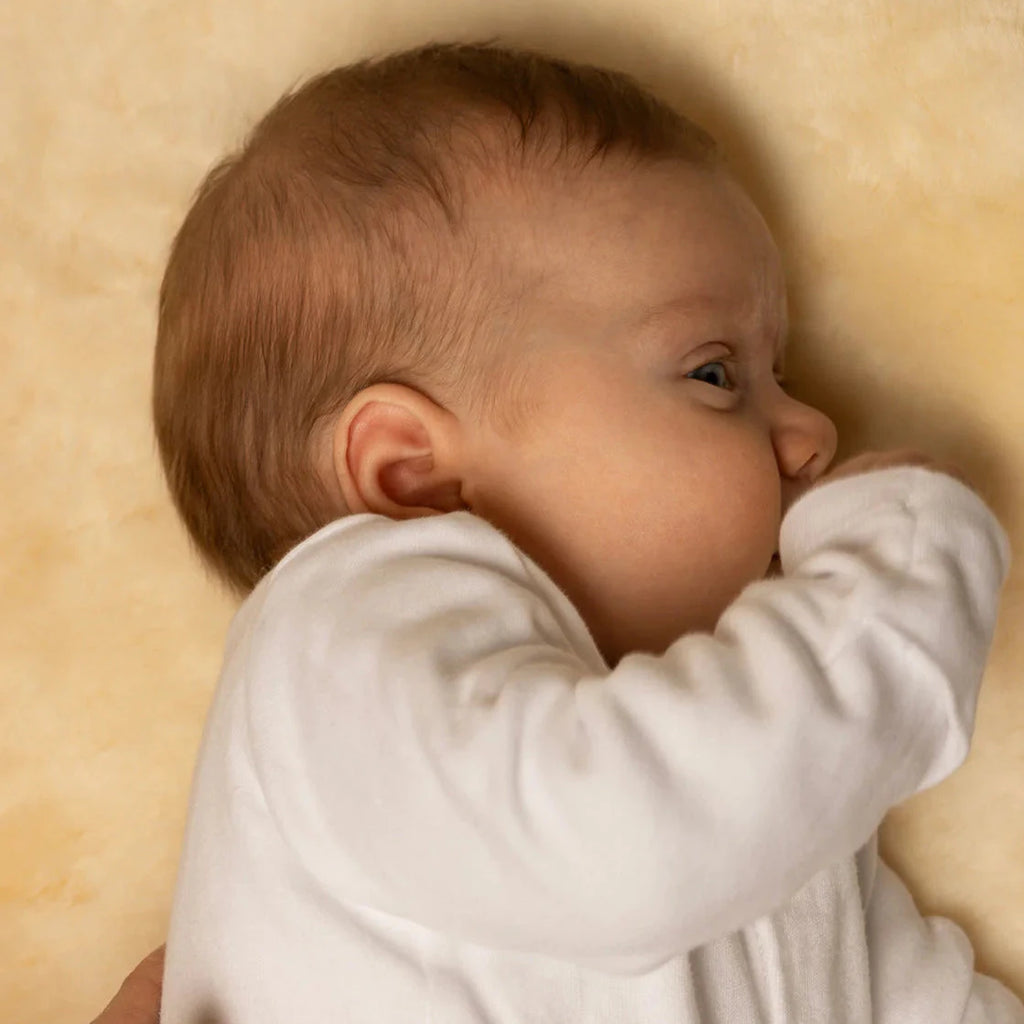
423, 797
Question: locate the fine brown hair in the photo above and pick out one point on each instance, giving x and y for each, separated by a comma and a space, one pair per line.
335, 249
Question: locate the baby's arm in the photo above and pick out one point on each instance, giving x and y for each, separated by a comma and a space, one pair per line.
439, 749
922, 968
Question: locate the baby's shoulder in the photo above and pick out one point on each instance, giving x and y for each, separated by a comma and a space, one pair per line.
370, 567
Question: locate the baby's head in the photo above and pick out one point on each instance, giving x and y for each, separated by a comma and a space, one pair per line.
465, 277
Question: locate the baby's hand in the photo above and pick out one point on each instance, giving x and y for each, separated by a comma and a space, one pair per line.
865, 462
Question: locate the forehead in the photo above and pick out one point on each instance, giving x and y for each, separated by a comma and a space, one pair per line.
635, 247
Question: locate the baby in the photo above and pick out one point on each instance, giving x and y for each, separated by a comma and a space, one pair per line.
469, 378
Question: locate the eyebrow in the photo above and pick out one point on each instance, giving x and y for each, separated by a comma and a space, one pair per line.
701, 302
693, 302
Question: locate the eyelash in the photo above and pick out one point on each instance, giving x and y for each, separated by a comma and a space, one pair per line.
781, 381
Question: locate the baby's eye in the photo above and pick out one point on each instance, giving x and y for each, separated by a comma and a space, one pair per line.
717, 362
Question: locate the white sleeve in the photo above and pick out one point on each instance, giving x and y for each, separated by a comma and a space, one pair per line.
922, 968
433, 745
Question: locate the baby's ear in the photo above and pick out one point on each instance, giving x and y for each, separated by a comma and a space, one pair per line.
395, 454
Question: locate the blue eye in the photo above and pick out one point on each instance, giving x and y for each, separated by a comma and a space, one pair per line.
716, 362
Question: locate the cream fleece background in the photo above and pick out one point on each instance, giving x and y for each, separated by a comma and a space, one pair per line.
883, 140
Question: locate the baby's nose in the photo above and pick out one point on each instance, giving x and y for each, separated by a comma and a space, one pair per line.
805, 443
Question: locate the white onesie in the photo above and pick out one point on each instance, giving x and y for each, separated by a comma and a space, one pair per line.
422, 796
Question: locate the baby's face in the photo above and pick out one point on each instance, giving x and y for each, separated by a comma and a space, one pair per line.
663, 452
